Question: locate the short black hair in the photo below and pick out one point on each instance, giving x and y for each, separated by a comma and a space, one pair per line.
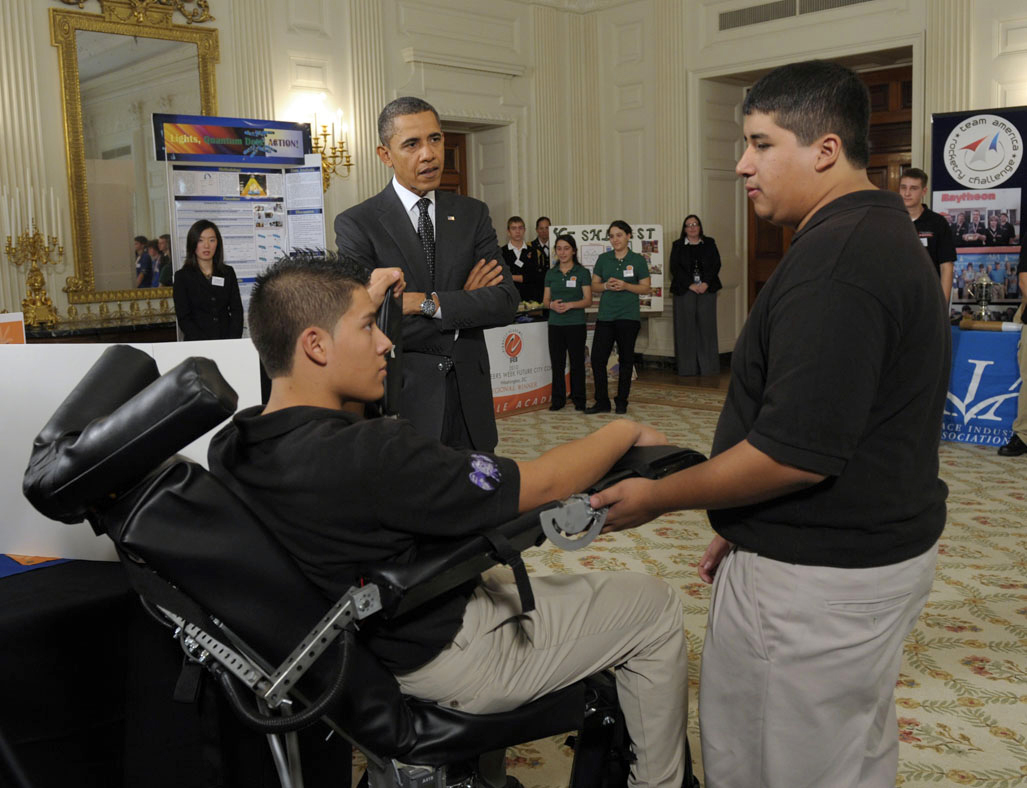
296, 292
815, 98
141, 239
541, 219
514, 220
915, 172
621, 225
404, 105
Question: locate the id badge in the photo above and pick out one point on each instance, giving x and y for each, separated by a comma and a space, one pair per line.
572, 282
217, 281
629, 271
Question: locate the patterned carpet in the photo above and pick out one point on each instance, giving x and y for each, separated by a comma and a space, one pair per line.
962, 693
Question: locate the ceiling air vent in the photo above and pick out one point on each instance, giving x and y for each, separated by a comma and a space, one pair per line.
812, 6
754, 15
768, 12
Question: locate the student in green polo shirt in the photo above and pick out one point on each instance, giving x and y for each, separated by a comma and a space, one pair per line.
621, 276
568, 292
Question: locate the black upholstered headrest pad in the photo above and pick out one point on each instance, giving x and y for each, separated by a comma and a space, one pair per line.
78, 465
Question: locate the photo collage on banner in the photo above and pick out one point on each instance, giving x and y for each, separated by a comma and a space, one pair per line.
977, 186
256, 180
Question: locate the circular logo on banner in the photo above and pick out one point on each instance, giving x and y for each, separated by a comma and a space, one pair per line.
513, 344
983, 150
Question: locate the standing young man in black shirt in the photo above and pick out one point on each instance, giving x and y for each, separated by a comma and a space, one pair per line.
339, 491
934, 232
823, 483
1017, 445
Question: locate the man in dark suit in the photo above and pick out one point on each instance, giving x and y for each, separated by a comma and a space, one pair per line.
455, 284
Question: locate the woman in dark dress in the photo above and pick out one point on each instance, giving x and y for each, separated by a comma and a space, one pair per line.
207, 301
694, 268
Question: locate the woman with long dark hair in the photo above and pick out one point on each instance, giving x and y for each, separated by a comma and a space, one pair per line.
621, 276
207, 301
694, 269
567, 294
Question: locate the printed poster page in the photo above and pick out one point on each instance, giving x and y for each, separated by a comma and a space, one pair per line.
646, 239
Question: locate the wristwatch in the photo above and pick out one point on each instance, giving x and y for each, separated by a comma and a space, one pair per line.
428, 307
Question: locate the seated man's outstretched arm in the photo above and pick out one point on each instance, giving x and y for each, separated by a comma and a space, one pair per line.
572, 467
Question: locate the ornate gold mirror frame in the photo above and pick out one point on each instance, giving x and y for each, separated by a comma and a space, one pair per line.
143, 19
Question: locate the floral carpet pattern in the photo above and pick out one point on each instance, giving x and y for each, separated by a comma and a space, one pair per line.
962, 692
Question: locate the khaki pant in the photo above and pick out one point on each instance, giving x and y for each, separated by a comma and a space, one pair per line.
501, 659
799, 669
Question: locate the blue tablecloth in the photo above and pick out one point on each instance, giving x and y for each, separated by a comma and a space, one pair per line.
983, 388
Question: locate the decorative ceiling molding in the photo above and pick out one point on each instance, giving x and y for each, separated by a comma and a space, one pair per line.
150, 12
424, 57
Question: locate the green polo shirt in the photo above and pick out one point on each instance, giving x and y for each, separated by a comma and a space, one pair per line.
567, 287
620, 305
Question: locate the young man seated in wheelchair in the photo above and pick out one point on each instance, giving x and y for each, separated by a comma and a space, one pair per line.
340, 491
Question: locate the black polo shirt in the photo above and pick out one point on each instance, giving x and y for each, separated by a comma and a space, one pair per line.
936, 236
1021, 268
339, 492
842, 369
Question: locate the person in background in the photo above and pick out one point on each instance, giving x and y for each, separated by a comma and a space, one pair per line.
973, 232
524, 262
1006, 227
207, 301
621, 276
998, 277
166, 268
541, 242
694, 268
144, 263
1017, 444
153, 250
567, 294
934, 232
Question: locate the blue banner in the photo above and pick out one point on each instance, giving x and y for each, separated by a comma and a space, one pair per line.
983, 388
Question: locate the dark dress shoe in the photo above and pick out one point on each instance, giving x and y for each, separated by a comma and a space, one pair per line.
557, 405
1014, 448
597, 408
622, 409
579, 407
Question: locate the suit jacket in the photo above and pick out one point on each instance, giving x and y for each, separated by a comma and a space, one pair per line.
533, 268
709, 266
205, 310
378, 233
543, 252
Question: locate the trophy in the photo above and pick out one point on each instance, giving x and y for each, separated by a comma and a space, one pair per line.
982, 290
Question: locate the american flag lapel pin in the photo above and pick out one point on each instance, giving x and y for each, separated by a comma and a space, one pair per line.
450, 218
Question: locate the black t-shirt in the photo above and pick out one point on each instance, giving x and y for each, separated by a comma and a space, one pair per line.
842, 369
936, 236
339, 492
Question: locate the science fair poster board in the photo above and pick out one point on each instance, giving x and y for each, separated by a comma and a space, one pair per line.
646, 239
519, 361
36, 379
257, 180
978, 181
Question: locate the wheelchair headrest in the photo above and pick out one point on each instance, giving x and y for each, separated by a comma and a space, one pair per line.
119, 423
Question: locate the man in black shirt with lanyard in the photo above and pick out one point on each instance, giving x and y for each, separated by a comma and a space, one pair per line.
338, 491
823, 482
1018, 443
935, 233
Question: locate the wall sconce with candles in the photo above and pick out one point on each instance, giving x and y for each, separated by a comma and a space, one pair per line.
334, 149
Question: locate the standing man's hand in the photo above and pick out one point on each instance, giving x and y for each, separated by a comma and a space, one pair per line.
484, 275
630, 503
716, 551
381, 280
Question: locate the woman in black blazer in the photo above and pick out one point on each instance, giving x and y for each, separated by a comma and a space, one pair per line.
207, 302
694, 265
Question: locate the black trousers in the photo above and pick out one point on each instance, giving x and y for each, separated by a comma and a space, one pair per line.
568, 341
624, 333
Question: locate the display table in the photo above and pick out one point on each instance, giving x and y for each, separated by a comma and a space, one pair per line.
983, 388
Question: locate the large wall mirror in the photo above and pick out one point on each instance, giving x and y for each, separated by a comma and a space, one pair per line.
116, 70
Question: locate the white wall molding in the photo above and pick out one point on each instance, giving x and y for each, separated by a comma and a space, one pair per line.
367, 43
447, 60
948, 67
251, 60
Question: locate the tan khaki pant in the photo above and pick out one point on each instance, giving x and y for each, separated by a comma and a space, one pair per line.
582, 624
799, 669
